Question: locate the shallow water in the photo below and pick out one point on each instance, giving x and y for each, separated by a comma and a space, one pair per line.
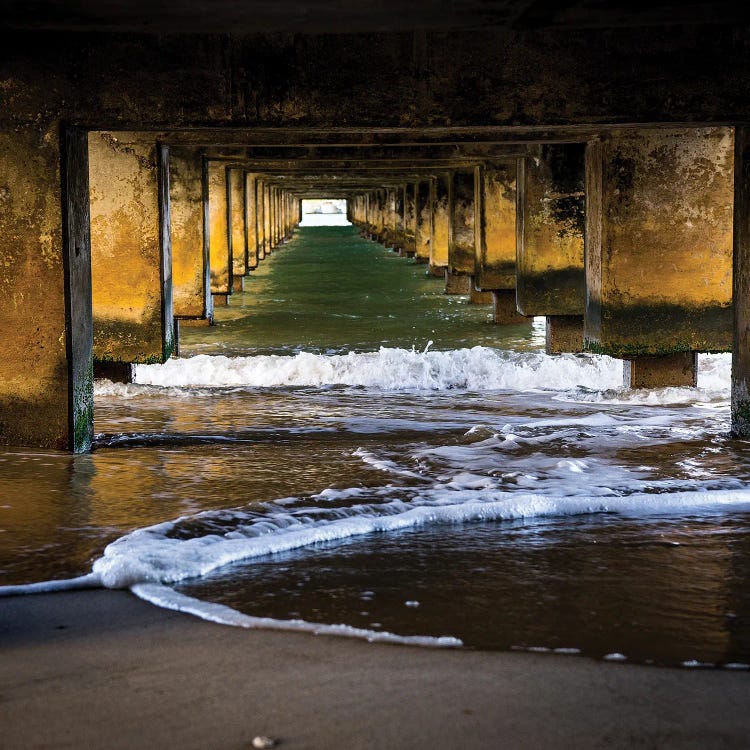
366, 451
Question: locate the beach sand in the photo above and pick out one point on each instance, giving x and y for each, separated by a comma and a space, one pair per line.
101, 669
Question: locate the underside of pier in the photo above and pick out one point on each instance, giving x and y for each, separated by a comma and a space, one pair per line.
582, 161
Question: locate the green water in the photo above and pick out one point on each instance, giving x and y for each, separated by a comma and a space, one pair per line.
330, 291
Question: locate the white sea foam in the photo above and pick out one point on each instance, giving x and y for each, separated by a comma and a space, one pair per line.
160, 554
90, 581
476, 369
168, 598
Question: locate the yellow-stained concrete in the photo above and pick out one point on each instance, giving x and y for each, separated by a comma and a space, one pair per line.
496, 241
236, 218
190, 280
267, 234
423, 229
260, 220
462, 227
251, 221
33, 367
218, 230
126, 250
440, 221
550, 230
659, 241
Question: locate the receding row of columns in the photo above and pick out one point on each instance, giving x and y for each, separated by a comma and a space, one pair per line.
623, 243
174, 232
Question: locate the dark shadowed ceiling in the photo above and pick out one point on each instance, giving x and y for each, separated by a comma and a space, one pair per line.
337, 16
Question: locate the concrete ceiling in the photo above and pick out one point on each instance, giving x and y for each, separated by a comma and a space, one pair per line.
340, 16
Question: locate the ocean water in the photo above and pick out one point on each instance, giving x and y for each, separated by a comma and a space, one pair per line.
351, 451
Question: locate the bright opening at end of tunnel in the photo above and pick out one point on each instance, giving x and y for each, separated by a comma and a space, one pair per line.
324, 212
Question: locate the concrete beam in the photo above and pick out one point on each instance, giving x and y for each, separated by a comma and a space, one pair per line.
131, 266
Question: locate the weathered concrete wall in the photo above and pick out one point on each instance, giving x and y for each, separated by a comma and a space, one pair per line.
218, 229
495, 260
130, 262
550, 277
190, 267
659, 241
462, 230
236, 219
440, 221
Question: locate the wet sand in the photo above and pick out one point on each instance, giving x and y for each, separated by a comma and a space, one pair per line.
101, 669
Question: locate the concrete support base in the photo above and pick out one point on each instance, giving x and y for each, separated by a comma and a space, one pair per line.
505, 312
456, 283
564, 334
479, 297
671, 370
238, 283
437, 271
220, 300
421, 261
117, 372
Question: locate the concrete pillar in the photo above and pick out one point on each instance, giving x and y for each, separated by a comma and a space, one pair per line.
440, 224
236, 224
131, 266
190, 265
218, 233
410, 219
505, 311
741, 286
267, 218
251, 219
461, 231
46, 379
659, 217
260, 220
550, 276
423, 221
564, 333
495, 260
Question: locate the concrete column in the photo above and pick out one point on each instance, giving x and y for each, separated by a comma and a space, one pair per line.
251, 219
495, 260
46, 379
191, 280
659, 217
218, 233
741, 286
267, 218
380, 217
131, 265
236, 223
423, 223
440, 224
410, 219
260, 220
461, 232
550, 276
495, 249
